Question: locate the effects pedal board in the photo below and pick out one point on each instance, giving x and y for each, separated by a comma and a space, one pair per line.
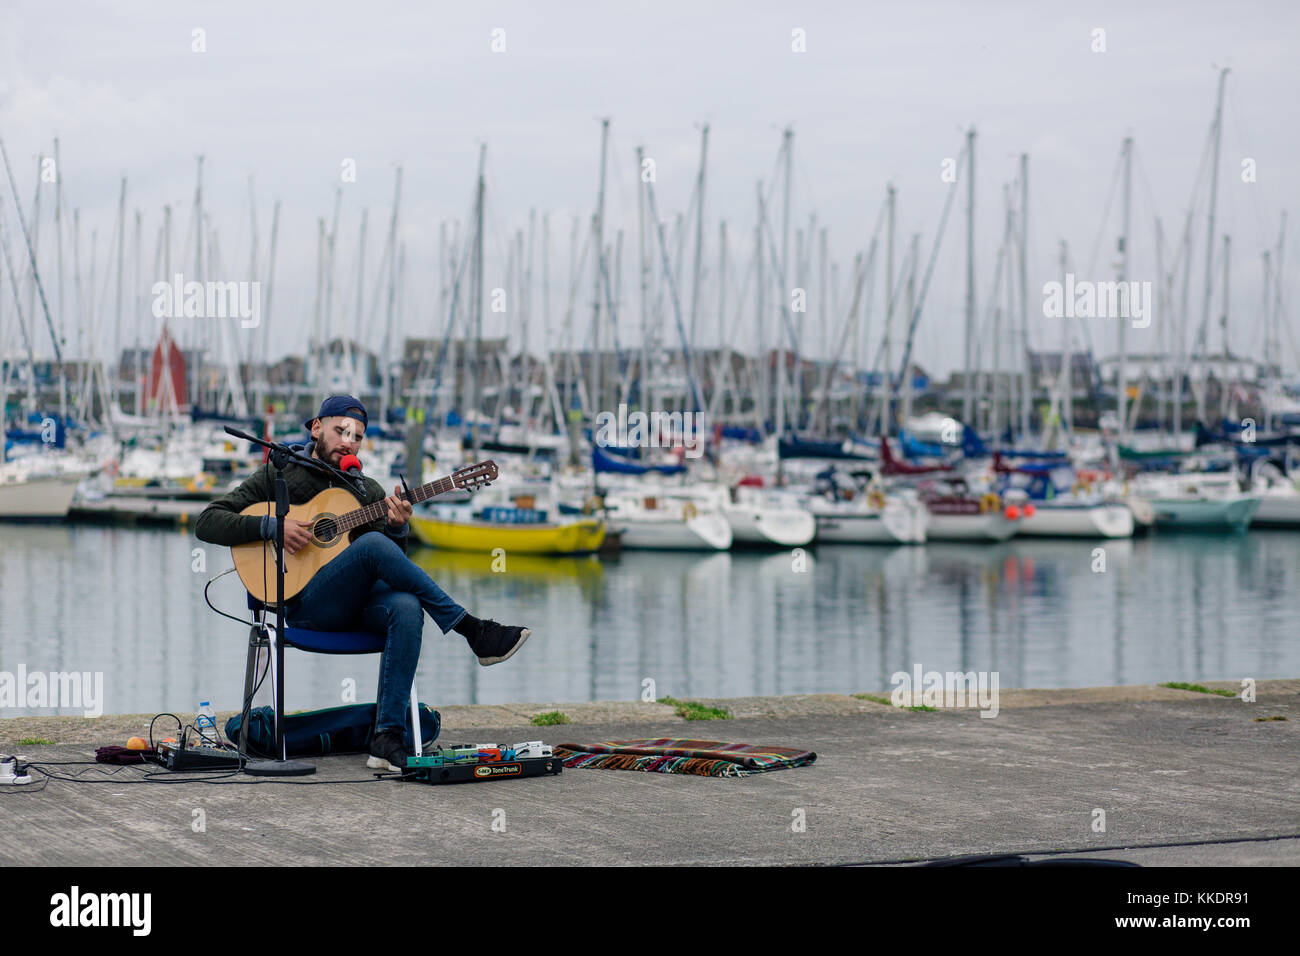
478, 763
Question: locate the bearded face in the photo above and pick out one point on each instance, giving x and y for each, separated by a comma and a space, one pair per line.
337, 436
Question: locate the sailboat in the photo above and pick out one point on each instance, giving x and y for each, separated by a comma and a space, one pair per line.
1279, 498
663, 518
758, 517
1056, 501
1210, 501
520, 518
866, 513
38, 487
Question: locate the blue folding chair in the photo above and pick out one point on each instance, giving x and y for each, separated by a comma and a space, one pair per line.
263, 636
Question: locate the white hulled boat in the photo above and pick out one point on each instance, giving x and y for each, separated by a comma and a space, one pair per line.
1210, 501
961, 513
871, 518
39, 486
666, 519
1279, 499
758, 517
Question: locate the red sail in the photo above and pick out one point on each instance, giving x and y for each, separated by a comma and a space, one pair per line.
156, 386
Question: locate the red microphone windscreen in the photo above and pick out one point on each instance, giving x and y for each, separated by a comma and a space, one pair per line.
348, 462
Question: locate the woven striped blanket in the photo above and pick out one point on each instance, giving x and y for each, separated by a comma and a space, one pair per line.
709, 758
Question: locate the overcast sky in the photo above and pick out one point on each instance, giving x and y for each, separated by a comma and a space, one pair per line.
286, 92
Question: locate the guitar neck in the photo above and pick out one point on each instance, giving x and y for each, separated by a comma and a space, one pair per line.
379, 509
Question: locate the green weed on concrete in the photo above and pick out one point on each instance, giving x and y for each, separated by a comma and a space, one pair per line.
876, 698
35, 742
549, 719
691, 710
1198, 688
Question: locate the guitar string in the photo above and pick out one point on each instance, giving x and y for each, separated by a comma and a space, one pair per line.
375, 510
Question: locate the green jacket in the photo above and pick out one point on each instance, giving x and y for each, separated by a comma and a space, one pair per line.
222, 523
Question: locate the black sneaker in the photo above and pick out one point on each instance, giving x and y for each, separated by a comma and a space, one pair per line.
496, 642
388, 751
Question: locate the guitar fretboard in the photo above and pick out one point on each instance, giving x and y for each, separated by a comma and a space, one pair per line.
379, 509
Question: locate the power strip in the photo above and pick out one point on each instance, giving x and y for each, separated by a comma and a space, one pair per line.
10, 771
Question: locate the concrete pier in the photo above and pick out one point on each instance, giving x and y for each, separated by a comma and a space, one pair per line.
1181, 777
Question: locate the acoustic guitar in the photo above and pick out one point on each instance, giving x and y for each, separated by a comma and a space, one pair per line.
335, 523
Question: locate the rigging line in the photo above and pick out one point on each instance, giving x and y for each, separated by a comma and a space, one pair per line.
1202, 173
1105, 215
724, 347
801, 174
689, 361
929, 271
18, 309
778, 269
992, 304
620, 184
739, 311
852, 313
36, 278
466, 249
1145, 182
490, 186
381, 277
1286, 324
1187, 244
773, 178
574, 285
1237, 115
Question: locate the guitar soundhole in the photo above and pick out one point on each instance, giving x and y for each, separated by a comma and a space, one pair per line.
325, 530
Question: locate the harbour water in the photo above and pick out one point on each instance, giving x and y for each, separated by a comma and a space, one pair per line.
128, 603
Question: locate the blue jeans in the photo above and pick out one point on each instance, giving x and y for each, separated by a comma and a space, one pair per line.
373, 586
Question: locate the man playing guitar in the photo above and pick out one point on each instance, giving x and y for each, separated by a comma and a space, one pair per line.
371, 586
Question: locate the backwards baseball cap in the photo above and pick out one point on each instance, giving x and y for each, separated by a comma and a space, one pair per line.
344, 405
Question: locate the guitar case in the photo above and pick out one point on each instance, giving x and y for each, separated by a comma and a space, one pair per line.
318, 733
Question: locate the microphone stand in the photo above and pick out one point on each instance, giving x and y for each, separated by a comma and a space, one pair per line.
280, 457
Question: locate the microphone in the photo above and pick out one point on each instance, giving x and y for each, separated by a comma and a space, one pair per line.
351, 465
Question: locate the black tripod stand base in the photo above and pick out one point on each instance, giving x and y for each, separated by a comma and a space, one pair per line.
278, 768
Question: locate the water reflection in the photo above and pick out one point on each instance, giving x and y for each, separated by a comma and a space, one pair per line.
838, 618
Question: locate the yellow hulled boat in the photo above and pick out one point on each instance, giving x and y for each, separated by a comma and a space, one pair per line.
455, 566
570, 537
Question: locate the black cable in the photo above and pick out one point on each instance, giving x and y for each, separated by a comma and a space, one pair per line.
170, 777
27, 788
180, 727
251, 624
217, 609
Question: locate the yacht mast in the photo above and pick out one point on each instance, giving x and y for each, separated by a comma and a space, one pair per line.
1209, 246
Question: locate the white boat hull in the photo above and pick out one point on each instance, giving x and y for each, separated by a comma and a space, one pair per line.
1144, 516
1205, 513
771, 527
896, 523
1278, 511
706, 532
1077, 521
47, 497
992, 526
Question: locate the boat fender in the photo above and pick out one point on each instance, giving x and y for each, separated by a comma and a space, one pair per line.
989, 502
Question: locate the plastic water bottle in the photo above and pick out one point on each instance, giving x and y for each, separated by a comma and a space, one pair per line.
206, 723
